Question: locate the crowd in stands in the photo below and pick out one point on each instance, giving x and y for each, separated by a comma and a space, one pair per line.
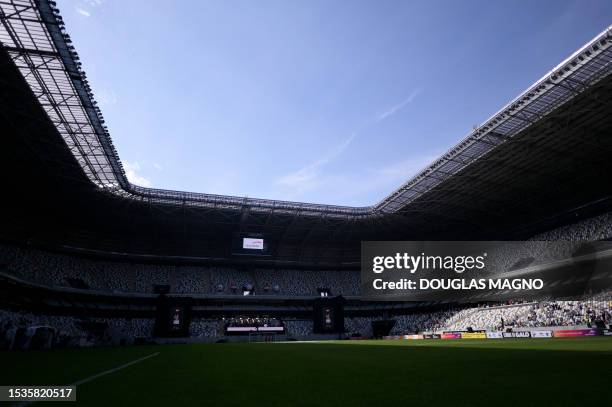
62, 270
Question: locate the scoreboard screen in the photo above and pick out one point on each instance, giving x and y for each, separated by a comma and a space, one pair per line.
251, 244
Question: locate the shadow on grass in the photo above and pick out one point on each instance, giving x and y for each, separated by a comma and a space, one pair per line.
331, 375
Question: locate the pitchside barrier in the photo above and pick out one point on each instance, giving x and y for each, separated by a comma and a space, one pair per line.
413, 336
544, 333
572, 333
519, 334
473, 335
432, 336
541, 334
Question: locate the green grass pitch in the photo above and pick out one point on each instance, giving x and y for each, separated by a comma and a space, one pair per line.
533, 372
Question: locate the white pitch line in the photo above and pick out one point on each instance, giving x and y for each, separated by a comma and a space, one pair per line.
113, 370
97, 375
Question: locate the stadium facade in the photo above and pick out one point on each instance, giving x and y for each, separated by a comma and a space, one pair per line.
79, 239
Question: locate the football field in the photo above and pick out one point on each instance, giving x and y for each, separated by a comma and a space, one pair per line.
519, 372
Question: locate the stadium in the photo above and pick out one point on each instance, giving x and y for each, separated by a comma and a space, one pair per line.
139, 295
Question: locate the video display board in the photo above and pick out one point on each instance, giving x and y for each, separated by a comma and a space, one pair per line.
251, 244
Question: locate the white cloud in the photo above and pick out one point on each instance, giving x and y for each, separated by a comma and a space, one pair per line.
396, 108
353, 187
83, 6
312, 177
306, 177
82, 12
132, 170
158, 166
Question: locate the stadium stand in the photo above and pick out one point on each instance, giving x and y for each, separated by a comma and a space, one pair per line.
62, 270
73, 331
89, 273
55, 269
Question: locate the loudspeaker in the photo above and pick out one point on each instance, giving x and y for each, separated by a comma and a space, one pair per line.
328, 315
173, 317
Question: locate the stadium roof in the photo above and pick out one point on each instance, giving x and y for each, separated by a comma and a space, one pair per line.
582, 69
33, 33
541, 155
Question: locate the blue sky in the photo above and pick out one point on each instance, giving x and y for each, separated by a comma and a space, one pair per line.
333, 102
